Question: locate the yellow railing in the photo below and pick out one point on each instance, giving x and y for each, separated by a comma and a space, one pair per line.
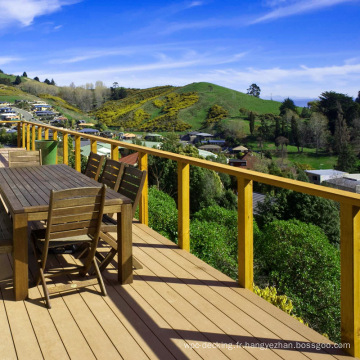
349, 214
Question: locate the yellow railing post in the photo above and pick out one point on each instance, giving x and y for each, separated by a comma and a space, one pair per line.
28, 136
23, 135
245, 233
65, 149
350, 277
33, 137
39, 136
18, 134
184, 205
55, 137
93, 145
77, 153
115, 152
46, 134
143, 204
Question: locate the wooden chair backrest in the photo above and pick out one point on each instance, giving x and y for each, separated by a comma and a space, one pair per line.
94, 166
75, 212
23, 158
131, 185
112, 173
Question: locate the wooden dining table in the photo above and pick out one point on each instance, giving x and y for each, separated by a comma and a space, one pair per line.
26, 193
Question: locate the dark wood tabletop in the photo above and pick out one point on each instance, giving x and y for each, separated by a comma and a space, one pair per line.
27, 189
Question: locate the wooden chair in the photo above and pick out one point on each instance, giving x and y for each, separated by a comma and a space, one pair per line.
74, 218
112, 174
23, 158
94, 166
6, 242
131, 186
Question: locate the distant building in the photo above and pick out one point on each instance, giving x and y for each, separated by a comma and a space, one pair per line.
212, 148
89, 131
344, 183
153, 137
318, 176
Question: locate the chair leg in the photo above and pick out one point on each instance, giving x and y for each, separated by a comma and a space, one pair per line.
46, 292
99, 277
107, 259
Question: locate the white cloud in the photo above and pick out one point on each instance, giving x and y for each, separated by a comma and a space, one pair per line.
25, 11
6, 60
295, 8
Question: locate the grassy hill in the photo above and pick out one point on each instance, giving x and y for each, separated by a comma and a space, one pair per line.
169, 108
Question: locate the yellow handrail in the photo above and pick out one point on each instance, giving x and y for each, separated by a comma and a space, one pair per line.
349, 216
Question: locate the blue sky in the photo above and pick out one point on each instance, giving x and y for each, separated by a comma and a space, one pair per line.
295, 48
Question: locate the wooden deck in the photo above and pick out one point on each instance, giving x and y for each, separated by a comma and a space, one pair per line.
178, 307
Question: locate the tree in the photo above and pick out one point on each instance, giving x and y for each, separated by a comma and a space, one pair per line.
254, 90
36, 78
17, 80
47, 81
357, 100
287, 104
52, 82
295, 133
330, 101
347, 160
318, 130
298, 260
287, 204
252, 122
24, 74
341, 133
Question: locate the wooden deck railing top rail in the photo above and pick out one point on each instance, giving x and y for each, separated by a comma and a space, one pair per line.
349, 213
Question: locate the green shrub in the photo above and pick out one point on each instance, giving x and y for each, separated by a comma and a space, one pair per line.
299, 261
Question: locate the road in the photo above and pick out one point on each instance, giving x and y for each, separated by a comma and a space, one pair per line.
26, 115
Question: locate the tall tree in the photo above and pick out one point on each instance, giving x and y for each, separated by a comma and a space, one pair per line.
347, 160
17, 80
295, 133
24, 74
329, 106
341, 133
252, 122
317, 130
52, 82
287, 104
36, 78
254, 90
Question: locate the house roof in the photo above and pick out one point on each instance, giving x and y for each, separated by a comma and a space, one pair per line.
240, 148
204, 134
205, 153
131, 159
207, 147
329, 172
88, 130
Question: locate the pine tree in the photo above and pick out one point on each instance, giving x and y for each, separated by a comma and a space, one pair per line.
24, 74
17, 80
252, 122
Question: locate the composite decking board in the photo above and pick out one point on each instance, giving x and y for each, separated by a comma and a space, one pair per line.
216, 307
210, 325
45, 330
254, 311
99, 342
178, 347
25, 341
7, 348
122, 340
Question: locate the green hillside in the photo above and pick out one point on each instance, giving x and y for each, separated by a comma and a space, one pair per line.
12, 93
170, 108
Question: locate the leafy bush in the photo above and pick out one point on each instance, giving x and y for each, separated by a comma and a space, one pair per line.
300, 262
210, 243
281, 301
163, 215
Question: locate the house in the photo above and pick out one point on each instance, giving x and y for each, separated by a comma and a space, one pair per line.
88, 131
318, 176
237, 162
41, 107
4, 104
129, 136
239, 149
219, 142
153, 137
212, 148
344, 183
